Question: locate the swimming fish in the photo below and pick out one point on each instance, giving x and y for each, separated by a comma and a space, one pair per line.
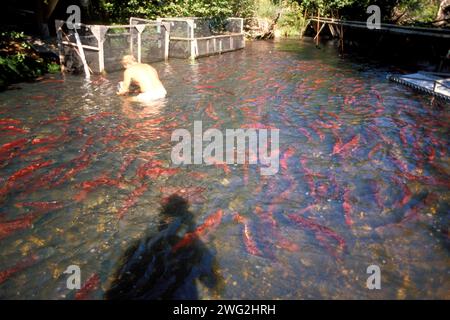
13, 129
80, 163
249, 242
211, 113
208, 226
321, 232
89, 186
407, 194
131, 200
305, 133
374, 150
347, 206
316, 130
9, 121
200, 87
97, 116
346, 148
8, 227
91, 284
7, 147
41, 206
21, 265
286, 156
26, 171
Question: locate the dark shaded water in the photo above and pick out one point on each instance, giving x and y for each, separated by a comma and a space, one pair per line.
364, 179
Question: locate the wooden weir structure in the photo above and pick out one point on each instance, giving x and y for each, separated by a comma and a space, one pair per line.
436, 84
336, 27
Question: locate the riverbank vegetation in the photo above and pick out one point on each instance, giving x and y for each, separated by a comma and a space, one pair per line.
20, 61
291, 11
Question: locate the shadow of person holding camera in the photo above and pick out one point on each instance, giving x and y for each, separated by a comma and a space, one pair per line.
152, 269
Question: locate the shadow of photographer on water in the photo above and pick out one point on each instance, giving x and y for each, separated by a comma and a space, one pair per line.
165, 266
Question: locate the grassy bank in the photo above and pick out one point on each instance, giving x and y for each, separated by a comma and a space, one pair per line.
19, 61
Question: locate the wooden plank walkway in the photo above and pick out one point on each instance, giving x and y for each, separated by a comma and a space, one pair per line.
431, 83
386, 27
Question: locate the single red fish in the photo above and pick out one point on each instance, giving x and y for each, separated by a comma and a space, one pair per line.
403, 136
39, 97
305, 133
320, 230
378, 95
38, 151
156, 172
347, 206
8, 227
377, 195
211, 223
61, 118
337, 137
28, 170
257, 125
150, 122
131, 200
327, 125
7, 147
374, 150
348, 147
224, 166
81, 163
316, 130
14, 129
431, 154
27, 262
41, 206
403, 166
142, 169
45, 181
51, 139
91, 284
98, 116
249, 242
210, 112
332, 114
10, 122
284, 160
198, 175
205, 87
407, 194
52, 81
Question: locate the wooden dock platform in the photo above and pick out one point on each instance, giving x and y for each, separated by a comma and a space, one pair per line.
384, 27
436, 84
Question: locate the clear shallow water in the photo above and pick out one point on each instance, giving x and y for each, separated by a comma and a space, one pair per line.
88, 170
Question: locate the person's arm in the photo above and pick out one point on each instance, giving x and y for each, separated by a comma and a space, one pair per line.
125, 84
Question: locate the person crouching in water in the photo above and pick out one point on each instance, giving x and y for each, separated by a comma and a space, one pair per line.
145, 76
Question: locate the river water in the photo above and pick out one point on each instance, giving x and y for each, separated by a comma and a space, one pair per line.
363, 180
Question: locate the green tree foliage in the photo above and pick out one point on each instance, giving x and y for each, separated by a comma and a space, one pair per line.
407, 11
120, 11
18, 60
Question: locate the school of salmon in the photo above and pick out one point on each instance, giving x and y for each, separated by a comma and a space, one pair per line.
364, 178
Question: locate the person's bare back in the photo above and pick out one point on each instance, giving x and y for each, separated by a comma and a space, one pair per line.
143, 75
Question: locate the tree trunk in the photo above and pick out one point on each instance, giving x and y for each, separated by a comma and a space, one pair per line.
43, 11
270, 34
443, 13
